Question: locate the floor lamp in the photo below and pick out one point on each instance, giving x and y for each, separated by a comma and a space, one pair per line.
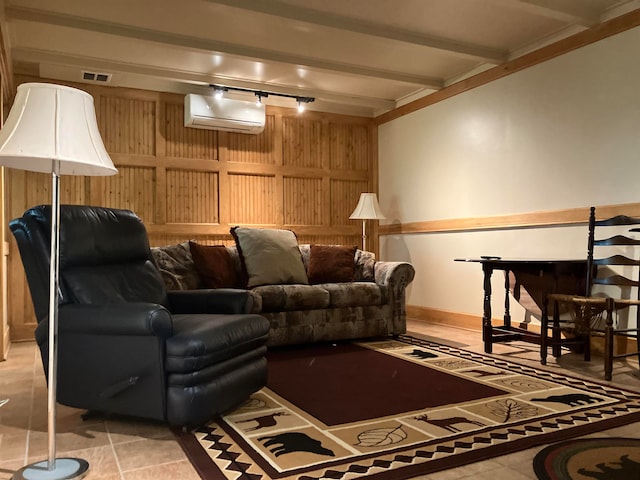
53, 129
367, 209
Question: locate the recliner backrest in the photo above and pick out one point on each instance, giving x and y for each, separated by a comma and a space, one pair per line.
104, 256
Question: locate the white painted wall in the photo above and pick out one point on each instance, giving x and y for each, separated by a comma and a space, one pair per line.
562, 134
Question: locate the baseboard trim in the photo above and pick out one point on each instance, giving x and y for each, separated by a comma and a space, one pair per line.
6, 343
443, 317
474, 322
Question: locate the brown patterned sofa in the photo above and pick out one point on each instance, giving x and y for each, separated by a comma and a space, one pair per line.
371, 305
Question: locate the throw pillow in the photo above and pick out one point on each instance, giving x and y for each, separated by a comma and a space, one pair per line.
331, 264
365, 265
269, 256
214, 265
176, 266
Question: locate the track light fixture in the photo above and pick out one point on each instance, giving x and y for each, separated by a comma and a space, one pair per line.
218, 92
260, 94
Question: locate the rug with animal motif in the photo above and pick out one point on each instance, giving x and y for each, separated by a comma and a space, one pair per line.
395, 409
590, 458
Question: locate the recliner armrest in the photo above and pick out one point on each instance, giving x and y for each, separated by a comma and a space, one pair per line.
130, 319
220, 300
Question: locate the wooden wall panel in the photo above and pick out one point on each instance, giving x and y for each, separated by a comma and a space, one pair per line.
37, 187
127, 125
192, 196
187, 142
303, 172
133, 188
253, 199
303, 201
331, 240
344, 198
350, 147
254, 148
302, 142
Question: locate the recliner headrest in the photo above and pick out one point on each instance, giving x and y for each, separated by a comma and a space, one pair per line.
96, 235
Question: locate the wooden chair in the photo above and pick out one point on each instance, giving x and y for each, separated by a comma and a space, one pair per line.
608, 312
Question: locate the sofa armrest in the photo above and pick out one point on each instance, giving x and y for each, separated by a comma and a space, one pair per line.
127, 319
395, 276
220, 300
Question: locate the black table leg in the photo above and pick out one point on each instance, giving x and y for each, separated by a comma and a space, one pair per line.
487, 333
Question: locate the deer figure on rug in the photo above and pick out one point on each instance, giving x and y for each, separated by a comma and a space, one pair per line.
264, 421
448, 423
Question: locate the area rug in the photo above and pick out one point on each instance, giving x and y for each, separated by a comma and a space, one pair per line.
395, 409
589, 458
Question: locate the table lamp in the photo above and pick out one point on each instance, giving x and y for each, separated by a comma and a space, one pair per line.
53, 129
367, 209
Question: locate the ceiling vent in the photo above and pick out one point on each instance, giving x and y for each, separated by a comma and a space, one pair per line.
96, 77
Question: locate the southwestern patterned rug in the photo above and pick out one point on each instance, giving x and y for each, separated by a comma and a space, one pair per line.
396, 409
589, 458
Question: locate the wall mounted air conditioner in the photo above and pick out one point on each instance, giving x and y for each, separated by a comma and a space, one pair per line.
225, 114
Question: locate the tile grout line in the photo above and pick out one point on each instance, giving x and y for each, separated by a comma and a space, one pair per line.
113, 450
32, 408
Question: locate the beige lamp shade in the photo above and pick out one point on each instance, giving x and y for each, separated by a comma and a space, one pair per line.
54, 126
367, 208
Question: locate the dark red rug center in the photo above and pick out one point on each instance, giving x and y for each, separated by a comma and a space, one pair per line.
347, 383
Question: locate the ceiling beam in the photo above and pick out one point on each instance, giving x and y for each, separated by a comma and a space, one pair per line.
331, 20
200, 44
578, 13
109, 66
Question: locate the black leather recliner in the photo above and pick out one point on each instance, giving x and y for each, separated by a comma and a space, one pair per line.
126, 345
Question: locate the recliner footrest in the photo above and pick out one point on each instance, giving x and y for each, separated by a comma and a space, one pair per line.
200, 341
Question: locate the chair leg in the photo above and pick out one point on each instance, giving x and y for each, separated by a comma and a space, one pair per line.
608, 345
638, 343
544, 327
556, 334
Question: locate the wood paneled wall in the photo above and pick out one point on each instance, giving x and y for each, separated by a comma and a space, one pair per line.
305, 172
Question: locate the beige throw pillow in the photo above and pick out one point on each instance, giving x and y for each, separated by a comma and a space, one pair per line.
269, 256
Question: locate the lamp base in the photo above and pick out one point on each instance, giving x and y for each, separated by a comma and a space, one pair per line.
64, 468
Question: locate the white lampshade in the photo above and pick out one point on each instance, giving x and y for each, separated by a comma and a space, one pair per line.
51, 122
367, 208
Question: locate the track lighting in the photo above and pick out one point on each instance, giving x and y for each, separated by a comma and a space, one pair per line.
260, 95
218, 92
301, 101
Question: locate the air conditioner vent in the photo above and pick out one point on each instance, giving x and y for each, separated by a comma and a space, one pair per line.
224, 114
96, 77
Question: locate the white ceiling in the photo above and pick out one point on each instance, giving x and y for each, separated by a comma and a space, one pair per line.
362, 57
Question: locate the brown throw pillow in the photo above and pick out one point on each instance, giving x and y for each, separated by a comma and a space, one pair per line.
331, 264
214, 265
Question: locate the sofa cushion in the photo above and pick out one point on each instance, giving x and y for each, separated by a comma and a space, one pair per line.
355, 294
331, 263
277, 298
269, 256
176, 266
214, 265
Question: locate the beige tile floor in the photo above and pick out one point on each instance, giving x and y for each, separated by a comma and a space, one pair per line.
134, 450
